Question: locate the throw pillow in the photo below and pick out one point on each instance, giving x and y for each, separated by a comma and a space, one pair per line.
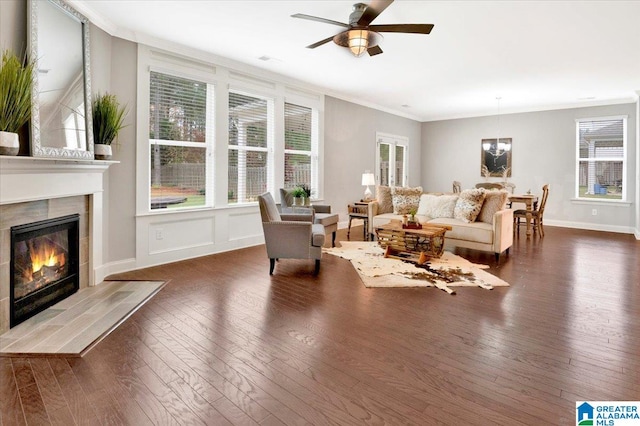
437, 206
469, 204
383, 195
494, 201
405, 199
445, 206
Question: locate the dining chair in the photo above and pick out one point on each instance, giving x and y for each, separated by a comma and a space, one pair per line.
457, 187
536, 215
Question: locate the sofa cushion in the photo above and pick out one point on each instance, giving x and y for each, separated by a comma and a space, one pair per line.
405, 199
437, 205
494, 201
475, 231
383, 195
469, 204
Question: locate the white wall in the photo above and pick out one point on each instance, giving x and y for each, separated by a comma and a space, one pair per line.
350, 146
13, 26
543, 152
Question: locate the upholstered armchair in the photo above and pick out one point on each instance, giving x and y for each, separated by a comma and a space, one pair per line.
322, 214
289, 236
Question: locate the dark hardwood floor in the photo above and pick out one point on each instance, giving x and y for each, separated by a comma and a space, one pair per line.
225, 343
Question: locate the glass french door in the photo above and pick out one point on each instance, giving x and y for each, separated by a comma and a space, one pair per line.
391, 160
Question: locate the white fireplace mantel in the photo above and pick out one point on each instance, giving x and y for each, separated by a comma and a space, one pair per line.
24, 179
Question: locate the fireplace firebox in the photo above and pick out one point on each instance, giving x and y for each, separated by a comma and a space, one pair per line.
44, 266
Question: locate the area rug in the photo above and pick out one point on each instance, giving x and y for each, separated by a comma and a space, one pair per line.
449, 271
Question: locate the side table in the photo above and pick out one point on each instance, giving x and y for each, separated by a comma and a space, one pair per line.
359, 210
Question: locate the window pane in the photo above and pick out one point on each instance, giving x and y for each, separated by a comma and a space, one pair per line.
177, 108
600, 179
384, 164
400, 165
601, 139
248, 121
297, 170
297, 127
247, 175
177, 176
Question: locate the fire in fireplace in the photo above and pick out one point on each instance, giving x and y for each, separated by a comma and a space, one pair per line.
44, 265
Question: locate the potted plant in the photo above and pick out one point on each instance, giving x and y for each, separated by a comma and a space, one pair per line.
307, 193
298, 195
16, 79
108, 120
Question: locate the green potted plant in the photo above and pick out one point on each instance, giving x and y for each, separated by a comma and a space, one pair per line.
298, 195
16, 79
307, 194
108, 120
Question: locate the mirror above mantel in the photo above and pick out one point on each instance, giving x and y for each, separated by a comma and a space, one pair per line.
61, 125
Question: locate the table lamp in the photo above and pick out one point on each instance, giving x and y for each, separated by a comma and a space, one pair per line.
368, 179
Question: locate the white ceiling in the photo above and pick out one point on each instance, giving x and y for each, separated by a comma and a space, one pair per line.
535, 55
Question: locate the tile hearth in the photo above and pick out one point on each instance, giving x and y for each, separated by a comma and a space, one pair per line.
76, 323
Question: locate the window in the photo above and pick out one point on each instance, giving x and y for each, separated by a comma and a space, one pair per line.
300, 148
251, 131
181, 142
391, 160
601, 152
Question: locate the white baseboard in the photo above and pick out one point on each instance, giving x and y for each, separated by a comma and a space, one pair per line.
590, 226
114, 268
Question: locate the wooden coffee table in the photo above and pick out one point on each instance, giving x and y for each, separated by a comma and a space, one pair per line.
416, 245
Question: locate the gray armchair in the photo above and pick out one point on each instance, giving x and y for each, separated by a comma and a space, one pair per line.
289, 236
322, 214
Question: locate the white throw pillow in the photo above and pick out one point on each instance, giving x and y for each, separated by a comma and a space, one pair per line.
437, 206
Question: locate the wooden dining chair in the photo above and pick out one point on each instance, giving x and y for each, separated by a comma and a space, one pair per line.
536, 215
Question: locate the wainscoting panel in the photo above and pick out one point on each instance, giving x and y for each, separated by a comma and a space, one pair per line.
244, 225
173, 235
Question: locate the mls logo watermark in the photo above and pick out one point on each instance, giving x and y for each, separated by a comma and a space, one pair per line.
607, 413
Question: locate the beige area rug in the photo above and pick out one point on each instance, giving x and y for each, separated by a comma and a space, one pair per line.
74, 325
449, 271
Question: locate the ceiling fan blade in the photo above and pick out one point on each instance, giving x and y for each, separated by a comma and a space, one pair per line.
402, 28
372, 11
320, 43
323, 20
374, 50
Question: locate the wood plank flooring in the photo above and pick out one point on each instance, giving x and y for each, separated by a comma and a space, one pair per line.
224, 343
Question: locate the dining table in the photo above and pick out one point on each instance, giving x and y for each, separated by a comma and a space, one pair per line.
531, 203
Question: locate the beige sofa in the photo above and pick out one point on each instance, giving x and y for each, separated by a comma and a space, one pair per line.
494, 235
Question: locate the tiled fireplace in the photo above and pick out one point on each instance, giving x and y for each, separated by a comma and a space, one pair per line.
35, 193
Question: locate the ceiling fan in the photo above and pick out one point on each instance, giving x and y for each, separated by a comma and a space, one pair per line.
360, 36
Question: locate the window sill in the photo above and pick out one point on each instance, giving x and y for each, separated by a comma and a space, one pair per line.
170, 211
587, 201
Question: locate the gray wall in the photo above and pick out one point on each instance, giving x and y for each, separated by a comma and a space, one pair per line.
13, 26
543, 152
350, 147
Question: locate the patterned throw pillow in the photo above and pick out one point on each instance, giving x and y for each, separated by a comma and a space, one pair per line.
469, 204
436, 206
383, 195
405, 199
494, 201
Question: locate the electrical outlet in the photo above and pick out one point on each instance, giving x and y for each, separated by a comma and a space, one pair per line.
159, 235
594, 212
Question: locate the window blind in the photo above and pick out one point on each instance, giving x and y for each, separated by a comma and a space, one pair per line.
250, 139
180, 135
298, 147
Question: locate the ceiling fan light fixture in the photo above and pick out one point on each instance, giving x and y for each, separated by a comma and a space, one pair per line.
358, 41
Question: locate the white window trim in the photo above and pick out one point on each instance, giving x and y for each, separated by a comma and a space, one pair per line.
392, 140
625, 140
243, 78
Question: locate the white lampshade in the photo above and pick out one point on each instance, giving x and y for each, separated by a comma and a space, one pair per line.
368, 179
